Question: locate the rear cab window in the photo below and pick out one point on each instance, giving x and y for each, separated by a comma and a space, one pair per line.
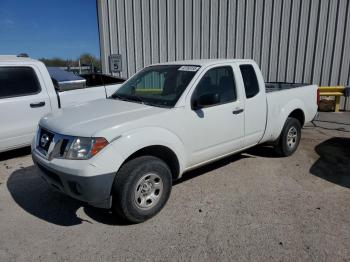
251, 84
18, 81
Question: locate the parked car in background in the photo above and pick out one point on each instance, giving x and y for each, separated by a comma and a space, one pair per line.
123, 152
29, 90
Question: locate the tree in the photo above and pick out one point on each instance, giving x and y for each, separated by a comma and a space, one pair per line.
88, 59
56, 61
85, 59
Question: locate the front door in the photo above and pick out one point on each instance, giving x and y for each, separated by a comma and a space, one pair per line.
218, 129
22, 103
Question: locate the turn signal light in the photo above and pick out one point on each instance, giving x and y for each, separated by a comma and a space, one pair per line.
98, 145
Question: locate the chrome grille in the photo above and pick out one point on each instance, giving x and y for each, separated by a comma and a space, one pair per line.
52, 145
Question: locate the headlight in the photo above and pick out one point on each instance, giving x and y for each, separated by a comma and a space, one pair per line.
85, 147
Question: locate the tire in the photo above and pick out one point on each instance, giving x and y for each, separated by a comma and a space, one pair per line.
141, 188
290, 137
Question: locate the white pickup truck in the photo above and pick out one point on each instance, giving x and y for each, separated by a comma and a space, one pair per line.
124, 152
28, 91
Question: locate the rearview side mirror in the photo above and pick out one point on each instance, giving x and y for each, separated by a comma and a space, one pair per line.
205, 101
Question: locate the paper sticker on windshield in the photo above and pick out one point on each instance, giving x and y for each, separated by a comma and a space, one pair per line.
189, 68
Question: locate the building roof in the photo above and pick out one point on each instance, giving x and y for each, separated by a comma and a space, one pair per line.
204, 62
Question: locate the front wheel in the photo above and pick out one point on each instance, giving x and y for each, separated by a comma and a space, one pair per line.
141, 188
289, 138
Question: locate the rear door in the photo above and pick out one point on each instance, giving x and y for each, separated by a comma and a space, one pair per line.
255, 103
23, 101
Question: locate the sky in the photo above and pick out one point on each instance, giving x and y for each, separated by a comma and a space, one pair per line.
49, 28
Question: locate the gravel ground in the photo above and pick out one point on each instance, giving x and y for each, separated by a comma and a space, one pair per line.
250, 207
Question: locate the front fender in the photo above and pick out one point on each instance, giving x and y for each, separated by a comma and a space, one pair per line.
132, 141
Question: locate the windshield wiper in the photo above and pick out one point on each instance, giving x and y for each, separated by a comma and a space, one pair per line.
127, 98
118, 97
156, 105
137, 99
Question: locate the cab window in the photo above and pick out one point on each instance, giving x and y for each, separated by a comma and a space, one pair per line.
18, 81
219, 82
250, 81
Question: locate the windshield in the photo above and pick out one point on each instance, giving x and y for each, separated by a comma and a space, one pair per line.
160, 85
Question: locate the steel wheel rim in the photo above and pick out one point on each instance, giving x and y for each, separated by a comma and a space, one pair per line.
292, 137
148, 190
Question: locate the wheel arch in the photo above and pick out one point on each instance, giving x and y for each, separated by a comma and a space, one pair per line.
162, 152
299, 115
295, 108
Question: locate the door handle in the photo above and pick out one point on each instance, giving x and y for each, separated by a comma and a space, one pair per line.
237, 111
40, 104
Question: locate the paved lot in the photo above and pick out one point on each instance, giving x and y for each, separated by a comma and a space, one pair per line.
250, 207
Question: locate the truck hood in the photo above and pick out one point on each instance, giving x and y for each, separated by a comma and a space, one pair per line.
92, 118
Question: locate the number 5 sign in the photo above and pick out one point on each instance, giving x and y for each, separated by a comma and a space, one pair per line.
115, 63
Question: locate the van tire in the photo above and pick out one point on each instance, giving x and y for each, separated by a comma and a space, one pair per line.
141, 188
289, 139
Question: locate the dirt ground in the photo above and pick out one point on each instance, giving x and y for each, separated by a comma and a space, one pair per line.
253, 206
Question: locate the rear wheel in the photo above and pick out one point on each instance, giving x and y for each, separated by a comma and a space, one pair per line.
289, 138
141, 188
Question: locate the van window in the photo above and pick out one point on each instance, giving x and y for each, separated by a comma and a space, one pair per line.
18, 81
251, 84
218, 80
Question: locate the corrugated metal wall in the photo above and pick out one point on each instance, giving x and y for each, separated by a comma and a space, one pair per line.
292, 40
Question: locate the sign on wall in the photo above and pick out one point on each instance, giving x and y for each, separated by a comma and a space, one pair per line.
115, 63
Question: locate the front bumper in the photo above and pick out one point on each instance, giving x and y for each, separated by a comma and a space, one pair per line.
95, 189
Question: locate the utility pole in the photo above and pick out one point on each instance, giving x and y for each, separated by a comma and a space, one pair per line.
92, 65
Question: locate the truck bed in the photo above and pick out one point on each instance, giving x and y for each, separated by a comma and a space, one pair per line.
278, 86
292, 96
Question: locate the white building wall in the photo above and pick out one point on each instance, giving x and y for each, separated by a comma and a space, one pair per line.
292, 40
